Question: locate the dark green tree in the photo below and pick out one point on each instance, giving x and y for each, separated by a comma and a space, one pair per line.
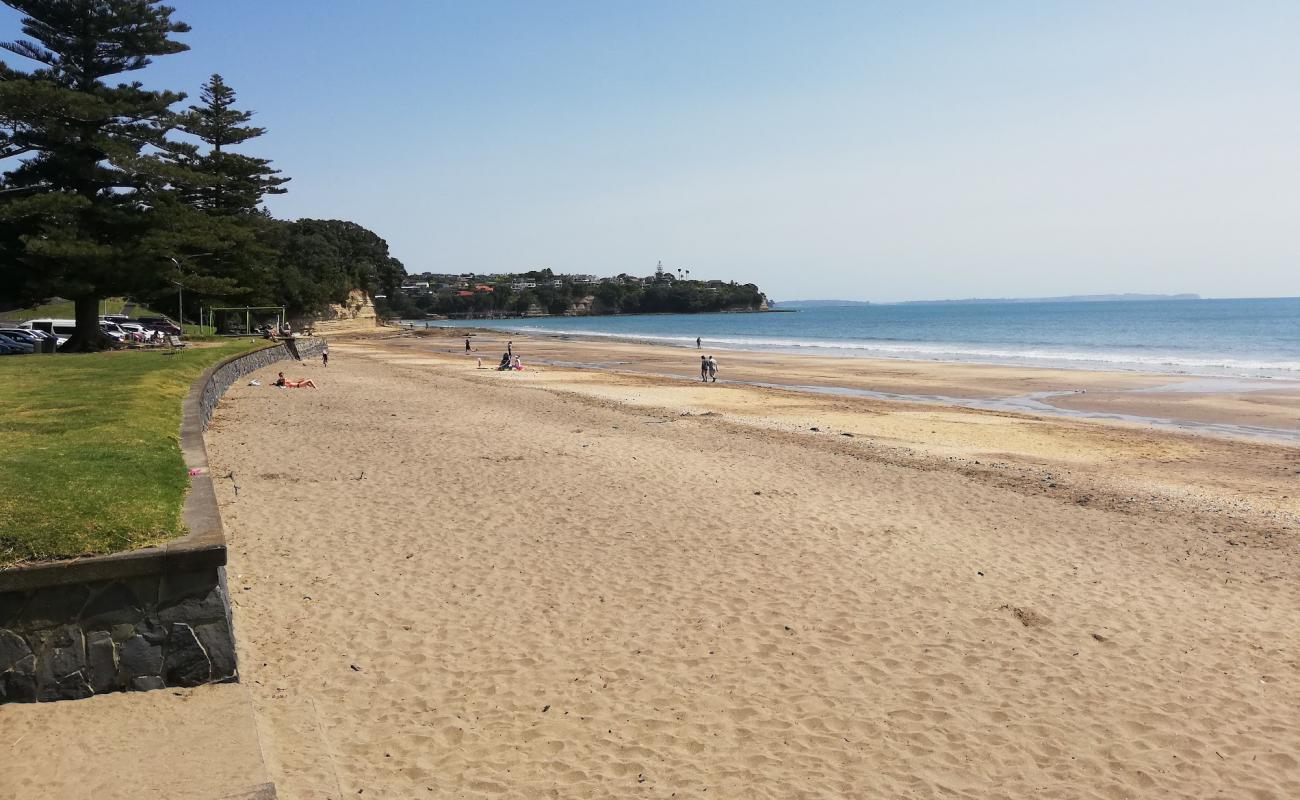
221, 194
76, 209
232, 183
322, 260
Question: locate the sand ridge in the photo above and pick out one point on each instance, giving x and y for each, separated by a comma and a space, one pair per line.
461, 583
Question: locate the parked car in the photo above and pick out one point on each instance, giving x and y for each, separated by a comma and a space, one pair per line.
112, 330
118, 318
135, 330
42, 341
160, 324
16, 343
31, 337
62, 328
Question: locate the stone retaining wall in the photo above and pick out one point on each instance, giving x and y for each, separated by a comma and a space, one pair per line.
145, 619
226, 374
72, 641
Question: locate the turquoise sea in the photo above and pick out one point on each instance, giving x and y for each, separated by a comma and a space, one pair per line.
1239, 337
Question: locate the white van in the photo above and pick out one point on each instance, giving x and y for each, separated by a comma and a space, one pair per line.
62, 328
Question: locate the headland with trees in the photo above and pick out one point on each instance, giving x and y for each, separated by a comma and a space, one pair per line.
544, 292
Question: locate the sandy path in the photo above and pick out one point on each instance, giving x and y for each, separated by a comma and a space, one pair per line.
179, 744
455, 584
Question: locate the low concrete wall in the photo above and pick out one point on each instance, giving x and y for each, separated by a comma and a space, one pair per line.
149, 618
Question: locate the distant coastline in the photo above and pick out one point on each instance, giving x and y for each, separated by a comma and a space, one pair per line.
820, 303
1071, 298
1128, 297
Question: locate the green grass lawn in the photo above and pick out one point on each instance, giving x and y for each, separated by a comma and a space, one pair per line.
64, 310
90, 458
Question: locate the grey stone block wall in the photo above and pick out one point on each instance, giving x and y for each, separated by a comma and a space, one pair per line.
225, 375
146, 632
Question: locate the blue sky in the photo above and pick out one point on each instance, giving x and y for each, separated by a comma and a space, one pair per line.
865, 151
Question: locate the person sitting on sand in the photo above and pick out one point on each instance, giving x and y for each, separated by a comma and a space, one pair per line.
284, 383
505, 362
516, 364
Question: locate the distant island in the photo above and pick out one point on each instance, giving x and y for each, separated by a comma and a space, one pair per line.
1071, 298
544, 293
821, 303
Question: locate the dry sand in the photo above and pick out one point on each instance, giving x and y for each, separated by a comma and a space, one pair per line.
451, 582
178, 744
461, 583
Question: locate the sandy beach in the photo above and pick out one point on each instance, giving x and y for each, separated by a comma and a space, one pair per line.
618, 582
453, 582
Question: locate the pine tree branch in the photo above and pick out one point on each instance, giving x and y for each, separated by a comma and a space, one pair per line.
28, 50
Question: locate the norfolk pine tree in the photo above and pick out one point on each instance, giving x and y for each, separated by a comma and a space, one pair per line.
237, 183
78, 209
221, 192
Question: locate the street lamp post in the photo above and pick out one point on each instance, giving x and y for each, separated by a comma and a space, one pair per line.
180, 303
180, 290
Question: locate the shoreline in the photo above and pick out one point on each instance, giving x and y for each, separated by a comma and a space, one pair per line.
1220, 406
1064, 361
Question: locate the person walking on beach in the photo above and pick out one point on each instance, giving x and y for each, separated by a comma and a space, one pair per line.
510, 348
466, 344
698, 345
325, 356
713, 369
704, 369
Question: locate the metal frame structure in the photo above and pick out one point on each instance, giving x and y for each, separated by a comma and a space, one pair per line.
248, 315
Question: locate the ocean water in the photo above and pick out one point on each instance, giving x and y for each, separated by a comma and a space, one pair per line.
1241, 338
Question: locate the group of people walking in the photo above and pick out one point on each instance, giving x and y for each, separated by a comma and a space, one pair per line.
708, 366
708, 369
510, 361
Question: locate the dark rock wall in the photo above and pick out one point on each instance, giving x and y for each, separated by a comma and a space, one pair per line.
75, 640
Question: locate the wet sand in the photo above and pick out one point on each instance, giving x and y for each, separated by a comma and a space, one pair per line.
1191, 400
